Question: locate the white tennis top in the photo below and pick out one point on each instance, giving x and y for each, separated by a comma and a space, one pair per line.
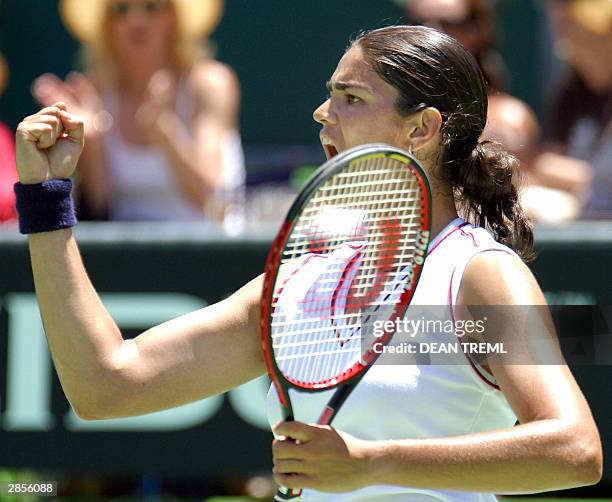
419, 399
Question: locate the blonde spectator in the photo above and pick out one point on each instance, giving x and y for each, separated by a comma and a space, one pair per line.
161, 115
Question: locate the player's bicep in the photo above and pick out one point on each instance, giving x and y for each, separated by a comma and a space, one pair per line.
193, 356
530, 368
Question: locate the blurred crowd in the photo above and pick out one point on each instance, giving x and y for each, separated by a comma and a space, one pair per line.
567, 170
162, 115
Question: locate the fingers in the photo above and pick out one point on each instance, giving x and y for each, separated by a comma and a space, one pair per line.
161, 87
50, 116
51, 111
42, 90
44, 127
48, 144
50, 124
49, 79
83, 88
295, 481
39, 133
295, 430
76, 79
284, 449
290, 467
74, 127
48, 89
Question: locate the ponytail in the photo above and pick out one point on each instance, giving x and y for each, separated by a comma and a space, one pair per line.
429, 68
485, 186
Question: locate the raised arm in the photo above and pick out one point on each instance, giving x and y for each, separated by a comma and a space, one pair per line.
104, 376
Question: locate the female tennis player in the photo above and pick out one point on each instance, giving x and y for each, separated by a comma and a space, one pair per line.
409, 433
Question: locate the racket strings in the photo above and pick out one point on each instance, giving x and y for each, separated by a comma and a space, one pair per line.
314, 332
362, 225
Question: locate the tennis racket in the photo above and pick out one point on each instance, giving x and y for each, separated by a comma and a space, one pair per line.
349, 254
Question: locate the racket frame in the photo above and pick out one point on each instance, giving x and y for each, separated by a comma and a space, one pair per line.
353, 375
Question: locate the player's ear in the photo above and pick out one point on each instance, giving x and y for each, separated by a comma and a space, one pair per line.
423, 128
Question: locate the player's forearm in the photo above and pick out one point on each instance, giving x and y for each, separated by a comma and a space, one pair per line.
81, 334
539, 456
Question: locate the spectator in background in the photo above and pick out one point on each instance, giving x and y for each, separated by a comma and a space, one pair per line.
8, 173
555, 184
161, 116
471, 22
581, 111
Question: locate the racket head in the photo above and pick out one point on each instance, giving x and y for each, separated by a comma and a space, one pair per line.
360, 223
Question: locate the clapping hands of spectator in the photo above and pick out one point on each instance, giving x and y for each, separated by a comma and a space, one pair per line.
80, 95
156, 116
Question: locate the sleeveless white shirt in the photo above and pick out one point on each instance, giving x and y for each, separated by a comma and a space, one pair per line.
418, 400
143, 186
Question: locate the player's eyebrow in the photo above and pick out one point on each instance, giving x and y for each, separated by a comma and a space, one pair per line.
343, 86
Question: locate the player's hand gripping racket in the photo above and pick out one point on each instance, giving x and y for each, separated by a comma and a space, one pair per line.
351, 251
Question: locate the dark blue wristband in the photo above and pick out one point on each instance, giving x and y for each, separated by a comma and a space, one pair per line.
44, 207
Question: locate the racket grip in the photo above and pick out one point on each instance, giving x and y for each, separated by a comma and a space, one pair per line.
284, 494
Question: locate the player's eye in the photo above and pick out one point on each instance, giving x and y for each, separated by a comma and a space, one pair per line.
351, 99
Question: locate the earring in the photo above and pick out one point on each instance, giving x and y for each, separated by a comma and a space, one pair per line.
410, 149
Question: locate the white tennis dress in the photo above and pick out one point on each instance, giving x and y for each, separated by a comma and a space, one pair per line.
419, 399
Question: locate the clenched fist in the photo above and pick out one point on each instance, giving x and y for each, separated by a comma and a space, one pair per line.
48, 144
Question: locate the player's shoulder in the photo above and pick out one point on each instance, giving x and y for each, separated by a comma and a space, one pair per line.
499, 277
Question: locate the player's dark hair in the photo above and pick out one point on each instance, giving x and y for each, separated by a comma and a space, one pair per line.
479, 18
429, 68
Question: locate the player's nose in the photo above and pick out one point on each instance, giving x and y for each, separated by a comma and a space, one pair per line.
323, 114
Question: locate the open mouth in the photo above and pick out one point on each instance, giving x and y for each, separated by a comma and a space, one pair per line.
330, 151
328, 147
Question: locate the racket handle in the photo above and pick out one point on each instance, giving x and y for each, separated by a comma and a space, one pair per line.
284, 494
